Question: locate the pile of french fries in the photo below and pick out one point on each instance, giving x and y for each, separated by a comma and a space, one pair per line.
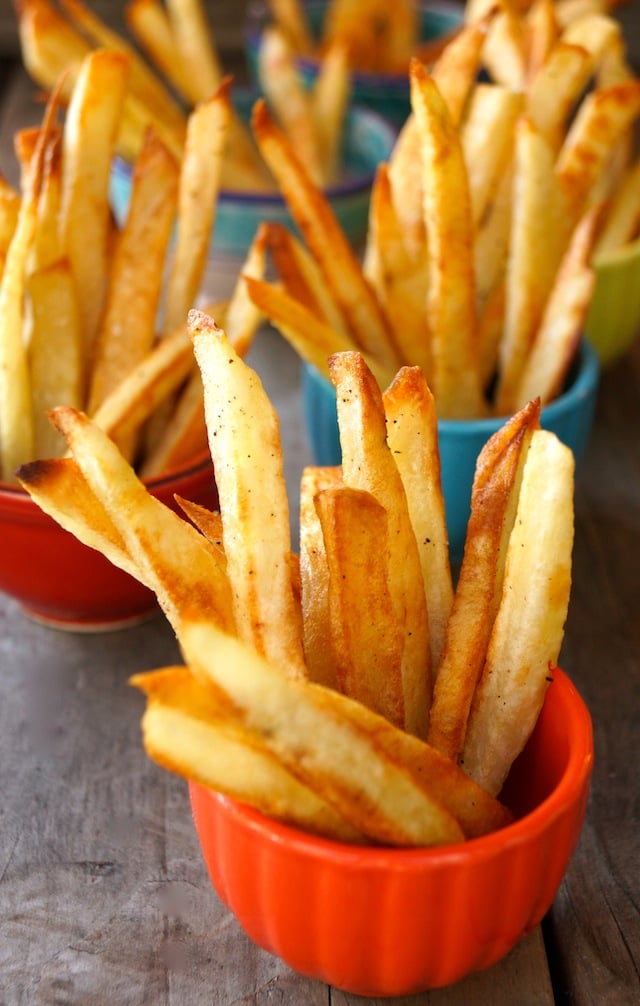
485, 221
347, 689
86, 319
377, 36
174, 67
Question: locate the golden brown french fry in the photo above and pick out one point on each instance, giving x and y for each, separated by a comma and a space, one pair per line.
16, 411
312, 338
603, 118
455, 376
366, 636
316, 735
50, 45
622, 221
186, 730
330, 98
542, 29
368, 464
301, 277
56, 352
209, 522
149, 23
169, 555
290, 101
146, 386
136, 271
522, 652
59, 488
48, 245
143, 83
363, 315
9, 209
314, 576
200, 174
89, 141
562, 323
399, 279
455, 74
196, 45
291, 16
494, 501
505, 54
595, 31
244, 438
555, 90
537, 242
487, 141
412, 434
185, 434
242, 318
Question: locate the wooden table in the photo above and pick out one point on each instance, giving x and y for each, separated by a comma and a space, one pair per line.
103, 894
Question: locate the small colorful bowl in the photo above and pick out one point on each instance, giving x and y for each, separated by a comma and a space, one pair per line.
368, 140
613, 322
384, 93
570, 416
389, 922
67, 585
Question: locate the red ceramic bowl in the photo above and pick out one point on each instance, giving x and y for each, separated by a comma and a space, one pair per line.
390, 922
64, 583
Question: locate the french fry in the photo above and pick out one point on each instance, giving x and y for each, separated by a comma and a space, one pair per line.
55, 353
149, 23
560, 330
169, 555
310, 730
494, 500
451, 294
542, 29
314, 576
148, 89
602, 119
136, 271
330, 100
291, 16
313, 338
200, 174
369, 465
523, 652
289, 99
196, 46
301, 277
622, 221
487, 141
412, 434
185, 730
48, 245
247, 458
400, 280
537, 242
59, 488
337, 260
88, 147
365, 635
17, 432
555, 89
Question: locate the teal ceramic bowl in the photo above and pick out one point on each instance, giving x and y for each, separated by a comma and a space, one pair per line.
368, 140
385, 93
613, 322
570, 417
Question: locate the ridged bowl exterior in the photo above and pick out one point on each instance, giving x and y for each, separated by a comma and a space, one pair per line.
64, 583
391, 922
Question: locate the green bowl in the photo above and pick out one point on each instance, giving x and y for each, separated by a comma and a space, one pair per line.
613, 322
